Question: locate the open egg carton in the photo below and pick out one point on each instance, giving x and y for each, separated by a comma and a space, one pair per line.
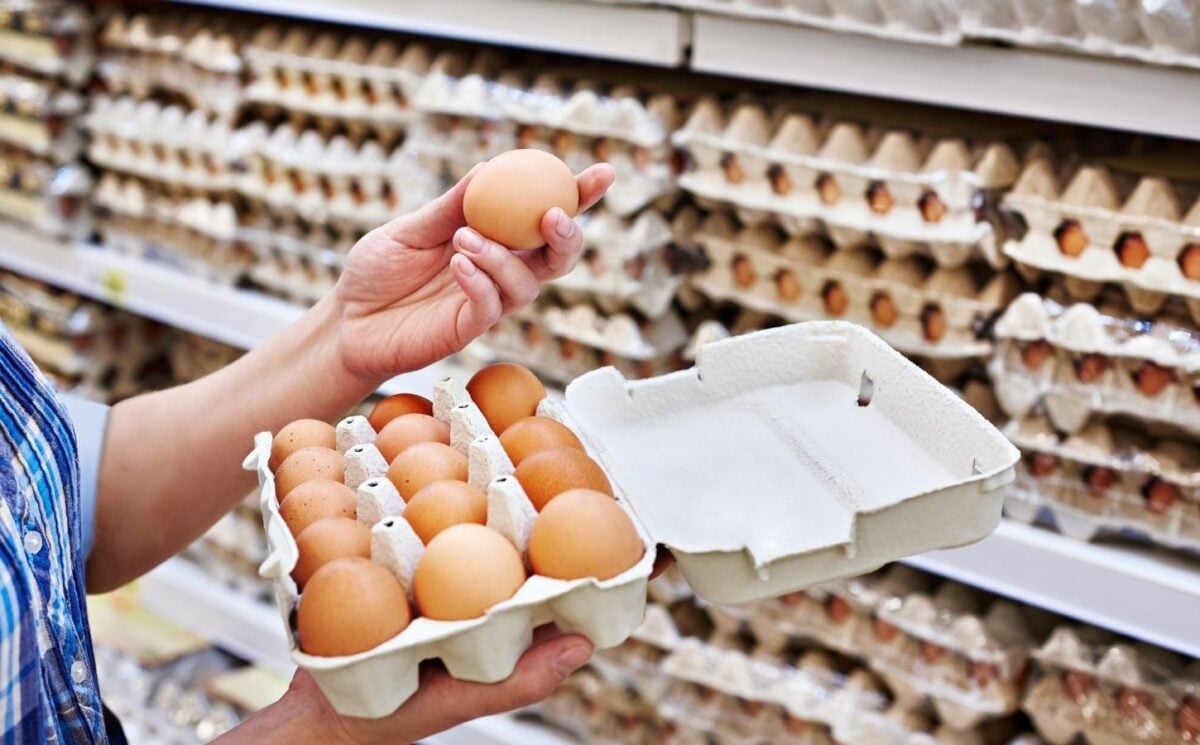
320, 179
47, 197
39, 116
1107, 691
51, 39
918, 307
192, 54
327, 79
1107, 478
1078, 361
1110, 225
908, 192
165, 143
1166, 33
193, 234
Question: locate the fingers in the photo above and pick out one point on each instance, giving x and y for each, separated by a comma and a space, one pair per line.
514, 280
435, 223
483, 307
593, 182
564, 238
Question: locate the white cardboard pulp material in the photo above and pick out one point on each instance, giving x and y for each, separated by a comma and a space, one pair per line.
783, 459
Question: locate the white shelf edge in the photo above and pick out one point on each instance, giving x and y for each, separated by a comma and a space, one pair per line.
655, 36
1060, 87
1144, 593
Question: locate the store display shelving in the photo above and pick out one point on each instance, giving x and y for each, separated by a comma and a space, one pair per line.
1059, 87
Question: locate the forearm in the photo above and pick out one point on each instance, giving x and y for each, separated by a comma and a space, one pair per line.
172, 459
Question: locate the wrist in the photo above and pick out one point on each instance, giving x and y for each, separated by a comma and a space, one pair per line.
326, 325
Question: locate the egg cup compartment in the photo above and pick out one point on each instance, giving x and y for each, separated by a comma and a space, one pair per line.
1105, 479
286, 260
1075, 362
50, 39
1112, 693
799, 280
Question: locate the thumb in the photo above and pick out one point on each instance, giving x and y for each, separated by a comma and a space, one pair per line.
435, 223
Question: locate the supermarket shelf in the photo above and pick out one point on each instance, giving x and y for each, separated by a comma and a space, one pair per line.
647, 35
1024, 82
1147, 594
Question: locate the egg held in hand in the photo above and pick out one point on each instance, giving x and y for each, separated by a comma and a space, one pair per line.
301, 433
424, 463
397, 405
508, 197
534, 434
314, 500
548, 473
327, 539
405, 431
505, 393
442, 504
583, 533
308, 464
349, 606
464, 571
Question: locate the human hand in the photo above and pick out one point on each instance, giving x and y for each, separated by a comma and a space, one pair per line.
424, 285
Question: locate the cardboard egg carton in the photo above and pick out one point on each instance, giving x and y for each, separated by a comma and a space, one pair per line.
327, 75
1080, 222
1111, 692
945, 490
1107, 478
1162, 33
911, 194
332, 179
38, 116
52, 39
296, 259
1074, 362
760, 269
47, 197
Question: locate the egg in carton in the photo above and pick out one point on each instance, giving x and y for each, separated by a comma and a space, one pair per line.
1107, 478
48, 198
1162, 33
1110, 692
914, 195
50, 39
1108, 226
38, 115
935, 312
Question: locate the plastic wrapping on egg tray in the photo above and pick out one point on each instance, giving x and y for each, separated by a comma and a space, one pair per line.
1139, 231
323, 78
909, 194
48, 38
1107, 478
38, 116
1112, 692
193, 55
44, 196
473, 113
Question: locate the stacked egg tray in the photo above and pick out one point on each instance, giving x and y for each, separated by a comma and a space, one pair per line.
1107, 692
192, 55
906, 192
46, 197
37, 115
1109, 226
232, 550
48, 39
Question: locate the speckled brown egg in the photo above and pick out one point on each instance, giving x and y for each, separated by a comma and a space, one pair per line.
546, 474
301, 433
583, 533
424, 463
314, 500
444, 503
349, 606
534, 434
307, 464
508, 197
327, 539
464, 571
405, 431
398, 405
505, 392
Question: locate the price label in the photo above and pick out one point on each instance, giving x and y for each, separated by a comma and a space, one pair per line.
114, 285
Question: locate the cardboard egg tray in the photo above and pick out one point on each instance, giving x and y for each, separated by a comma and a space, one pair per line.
335, 76
938, 469
37, 115
859, 184
1095, 363
52, 39
749, 267
1112, 693
1103, 208
287, 260
46, 197
1099, 480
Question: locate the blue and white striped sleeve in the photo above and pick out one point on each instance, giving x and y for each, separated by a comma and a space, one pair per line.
20, 675
91, 422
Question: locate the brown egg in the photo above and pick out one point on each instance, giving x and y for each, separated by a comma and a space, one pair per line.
327, 539
583, 533
732, 168
546, 474
744, 275
508, 197
879, 199
444, 503
1098, 480
931, 652
534, 434
883, 309
1187, 719
314, 500
301, 433
349, 606
835, 299
1089, 367
1160, 495
781, 183
1035, 353
837, 609
307, 464
1189, 261
933, 323
398, 405
1132, 702
505, 392
1072, 241
884, 631
1043, 464
933, 209
464, 571
1077, 685
1151, 379
827, 189
1132, 250
424, 463
982, 673
407, 430
786, 286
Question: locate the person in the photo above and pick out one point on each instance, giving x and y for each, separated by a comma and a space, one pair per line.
98, 506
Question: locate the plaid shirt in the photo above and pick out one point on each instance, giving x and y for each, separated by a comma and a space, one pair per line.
48, 691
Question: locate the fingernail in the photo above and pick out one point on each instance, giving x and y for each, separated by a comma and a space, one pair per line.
466, 266
471, 241
571, 659
563, 225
